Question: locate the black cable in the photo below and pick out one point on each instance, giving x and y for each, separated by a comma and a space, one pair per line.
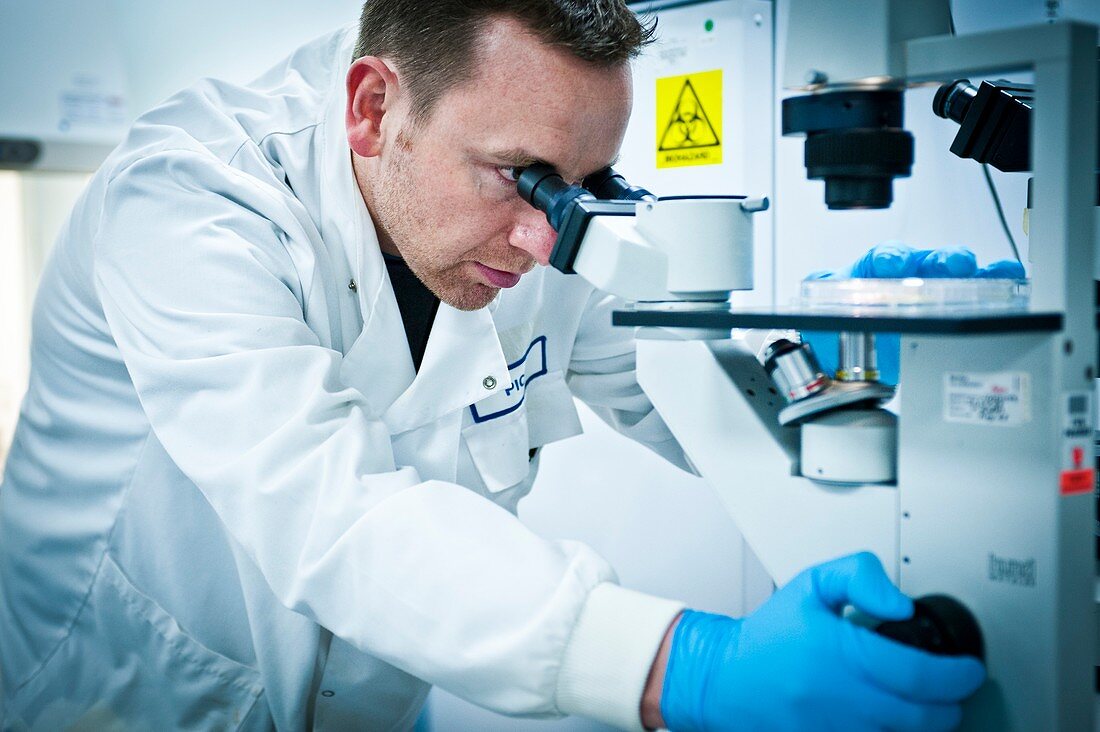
1001, 213
985, 170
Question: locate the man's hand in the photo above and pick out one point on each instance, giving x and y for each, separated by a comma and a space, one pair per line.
796, 664
655, 682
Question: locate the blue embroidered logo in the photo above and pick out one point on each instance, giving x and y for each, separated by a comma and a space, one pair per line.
529, 367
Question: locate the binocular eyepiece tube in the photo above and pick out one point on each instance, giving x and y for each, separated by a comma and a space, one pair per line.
544, 188
608, 185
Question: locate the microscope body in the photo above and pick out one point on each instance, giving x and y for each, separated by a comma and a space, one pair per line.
983, 488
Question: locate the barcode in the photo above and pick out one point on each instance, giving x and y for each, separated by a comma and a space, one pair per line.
1078, 404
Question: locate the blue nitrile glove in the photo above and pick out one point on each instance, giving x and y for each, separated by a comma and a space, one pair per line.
893, 260
796, 664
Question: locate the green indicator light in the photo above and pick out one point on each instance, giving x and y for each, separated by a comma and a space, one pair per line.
709, 25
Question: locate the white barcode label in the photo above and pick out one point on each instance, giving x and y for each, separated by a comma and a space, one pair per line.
1001, 398
1077, 416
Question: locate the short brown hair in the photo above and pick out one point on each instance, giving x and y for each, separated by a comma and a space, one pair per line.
432, 42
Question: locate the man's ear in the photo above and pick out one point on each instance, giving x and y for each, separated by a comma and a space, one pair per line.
372, 90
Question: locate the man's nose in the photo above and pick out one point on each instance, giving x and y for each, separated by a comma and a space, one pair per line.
533, 234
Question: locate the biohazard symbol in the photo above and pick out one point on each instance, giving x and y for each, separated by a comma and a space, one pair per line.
688, 127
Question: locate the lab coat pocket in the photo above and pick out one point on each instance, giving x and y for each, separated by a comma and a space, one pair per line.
500, 445
145, 672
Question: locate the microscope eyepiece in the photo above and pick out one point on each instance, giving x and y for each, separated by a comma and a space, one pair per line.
952, 101
542, 187
609, 185
994, 121
570, 208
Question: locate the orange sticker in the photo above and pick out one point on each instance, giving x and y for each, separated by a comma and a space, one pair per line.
1075, 482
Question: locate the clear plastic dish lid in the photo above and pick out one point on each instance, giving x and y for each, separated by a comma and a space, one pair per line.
916, 292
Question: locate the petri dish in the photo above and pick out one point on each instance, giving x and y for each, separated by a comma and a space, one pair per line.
917, 293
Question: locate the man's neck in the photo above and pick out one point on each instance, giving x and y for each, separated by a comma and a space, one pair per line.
362, 177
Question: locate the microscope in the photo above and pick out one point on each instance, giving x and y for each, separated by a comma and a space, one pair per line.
974, 486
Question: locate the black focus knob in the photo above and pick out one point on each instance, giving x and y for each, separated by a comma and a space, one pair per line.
940, 625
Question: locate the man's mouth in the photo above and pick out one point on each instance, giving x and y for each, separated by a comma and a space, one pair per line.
497, 277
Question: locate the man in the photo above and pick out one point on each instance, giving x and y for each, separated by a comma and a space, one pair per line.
249, 490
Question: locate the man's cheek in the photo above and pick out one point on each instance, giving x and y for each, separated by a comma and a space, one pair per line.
487, 217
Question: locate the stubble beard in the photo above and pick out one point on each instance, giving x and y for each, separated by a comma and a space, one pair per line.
397, 201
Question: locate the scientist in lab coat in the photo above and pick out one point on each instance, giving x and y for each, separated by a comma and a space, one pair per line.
293, 359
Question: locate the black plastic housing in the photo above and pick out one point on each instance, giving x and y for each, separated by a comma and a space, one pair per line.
18, 153
574, 226
941, 625
854, 142
609, 185
994, 122
568, 208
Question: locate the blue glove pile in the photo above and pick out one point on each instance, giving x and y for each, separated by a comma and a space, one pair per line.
894, 260
796, 664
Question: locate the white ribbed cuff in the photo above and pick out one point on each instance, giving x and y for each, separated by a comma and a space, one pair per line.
609, 655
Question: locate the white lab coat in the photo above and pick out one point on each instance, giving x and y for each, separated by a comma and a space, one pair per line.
232, 503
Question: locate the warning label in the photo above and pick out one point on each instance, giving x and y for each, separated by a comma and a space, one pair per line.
1078, 475
1001, 399
689, 119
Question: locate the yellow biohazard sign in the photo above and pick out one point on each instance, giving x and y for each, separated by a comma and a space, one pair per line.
689, 119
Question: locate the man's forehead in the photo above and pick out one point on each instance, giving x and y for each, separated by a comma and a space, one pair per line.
529, 102
572, 135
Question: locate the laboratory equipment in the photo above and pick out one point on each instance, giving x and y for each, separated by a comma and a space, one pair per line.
799, 656
637, 247
994, 121
854, 118
983, 494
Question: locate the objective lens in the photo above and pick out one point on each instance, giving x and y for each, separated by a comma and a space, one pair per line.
794, 369
858, 361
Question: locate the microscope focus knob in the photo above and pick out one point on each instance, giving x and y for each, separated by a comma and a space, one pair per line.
940, 625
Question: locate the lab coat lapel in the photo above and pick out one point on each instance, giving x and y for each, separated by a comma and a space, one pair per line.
378, 364
463, 364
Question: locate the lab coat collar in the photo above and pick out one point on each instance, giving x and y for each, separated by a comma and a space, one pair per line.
378, 363
463, 360
463, 364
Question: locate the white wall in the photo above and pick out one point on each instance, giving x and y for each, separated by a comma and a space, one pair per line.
972, 16
168, 45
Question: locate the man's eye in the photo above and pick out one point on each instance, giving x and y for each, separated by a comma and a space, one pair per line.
510, 173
